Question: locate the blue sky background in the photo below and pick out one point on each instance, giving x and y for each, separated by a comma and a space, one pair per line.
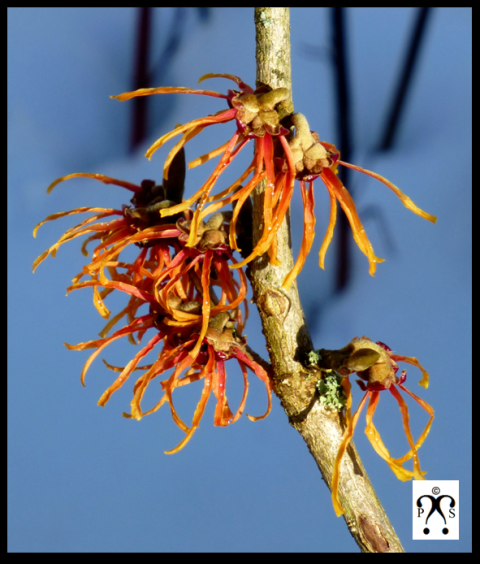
82, 478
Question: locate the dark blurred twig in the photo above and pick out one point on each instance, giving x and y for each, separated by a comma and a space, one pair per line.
204, 13
145, 72
141, 77
344, 128
405, 79
172, 44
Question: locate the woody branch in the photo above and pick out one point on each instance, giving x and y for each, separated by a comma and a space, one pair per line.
287, 334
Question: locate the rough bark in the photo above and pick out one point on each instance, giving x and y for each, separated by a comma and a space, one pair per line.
288, 337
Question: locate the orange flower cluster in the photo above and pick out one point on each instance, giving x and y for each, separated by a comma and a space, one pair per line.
285, 150
196, 330
186, 255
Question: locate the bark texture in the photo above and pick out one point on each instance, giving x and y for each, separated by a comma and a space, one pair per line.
288, 337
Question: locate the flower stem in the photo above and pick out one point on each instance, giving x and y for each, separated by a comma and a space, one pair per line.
288, 337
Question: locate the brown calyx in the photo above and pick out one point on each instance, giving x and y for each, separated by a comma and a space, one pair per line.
211, 234
220, 333
309, 155
191, 306
372, 363
259, 112
368, 359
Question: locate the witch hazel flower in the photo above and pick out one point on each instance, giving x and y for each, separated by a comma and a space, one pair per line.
138, 224
376, 365
173, 268
307, 158
258, 114
221, 343
115, 234
196, 331
178, 281
285, 150
200, 269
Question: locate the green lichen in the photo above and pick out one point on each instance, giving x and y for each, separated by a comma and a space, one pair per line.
312, 359
332, 394
266, 21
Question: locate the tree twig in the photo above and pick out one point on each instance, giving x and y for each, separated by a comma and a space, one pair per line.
288, 337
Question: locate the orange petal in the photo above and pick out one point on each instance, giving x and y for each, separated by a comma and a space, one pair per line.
104, 332
203, 192
418, 474
150, 411
241, 294
212, 208
281, 210
100, 177
278, 190
74, 233
105, 212
348, 207
377, 443
272, 253
70, 234
100, 344
121, 368
208, 156
227, 191
200, 409
131, 366
224, 116
183, 361
189, 134
156, 232
206, 306
189, 378
236, 79
262, 374
164, 362
93, 237
331, 225
244, 192
222, 414
99, 305
128, 288
266, 239
423, 436
241, 407
279, 186
407, 202
221, 166
268, 159
411, 360
308, 234
165, 90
